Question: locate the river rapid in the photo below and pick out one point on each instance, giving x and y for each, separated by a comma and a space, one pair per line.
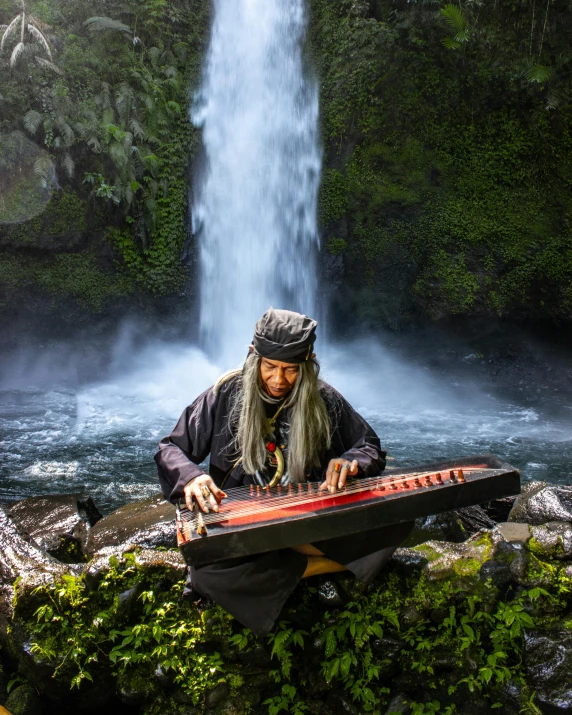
100, 437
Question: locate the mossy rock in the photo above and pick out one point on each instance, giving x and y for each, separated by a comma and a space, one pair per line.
24, 700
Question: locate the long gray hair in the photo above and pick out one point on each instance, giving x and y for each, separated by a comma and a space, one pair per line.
310, 429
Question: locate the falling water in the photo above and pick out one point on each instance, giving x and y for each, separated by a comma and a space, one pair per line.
254, 204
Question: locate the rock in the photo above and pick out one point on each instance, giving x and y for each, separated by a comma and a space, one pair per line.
499, 509
330, 593
24, 700
22, 559
169, 561
217, 695
552, 540
408, 559
399, 704
456, 526
149, 523
453, 561
548, 662
59, 524
135, 690
514, 532
540, 502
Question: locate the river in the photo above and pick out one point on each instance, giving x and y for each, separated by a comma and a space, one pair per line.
100, 437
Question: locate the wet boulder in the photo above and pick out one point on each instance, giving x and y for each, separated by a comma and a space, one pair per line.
552, 540
168, 562
148, 523
455, 526
21, 558
59, 523
540, 503
548, 662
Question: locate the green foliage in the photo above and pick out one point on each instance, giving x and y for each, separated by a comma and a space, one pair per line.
450, 170
458, 24
83, 630
456, 636
115, 117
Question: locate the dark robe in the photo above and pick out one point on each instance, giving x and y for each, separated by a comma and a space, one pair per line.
253, 589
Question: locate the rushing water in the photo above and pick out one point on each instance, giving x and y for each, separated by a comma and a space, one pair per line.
101, 438
254, 207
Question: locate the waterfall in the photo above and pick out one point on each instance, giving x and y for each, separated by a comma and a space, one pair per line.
255, 192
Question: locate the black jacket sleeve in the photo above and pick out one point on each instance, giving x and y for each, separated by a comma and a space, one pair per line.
187, 446
355, 437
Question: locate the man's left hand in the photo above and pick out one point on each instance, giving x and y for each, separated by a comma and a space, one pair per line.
337, 473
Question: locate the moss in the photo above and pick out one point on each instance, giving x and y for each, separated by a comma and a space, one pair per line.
23, 700
467, 567
335, 246
434, 178
64, 218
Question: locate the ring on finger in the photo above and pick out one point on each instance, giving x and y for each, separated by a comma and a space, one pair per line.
347, 466
337, 467
205, 491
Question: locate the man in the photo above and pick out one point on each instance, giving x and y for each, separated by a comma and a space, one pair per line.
272, 422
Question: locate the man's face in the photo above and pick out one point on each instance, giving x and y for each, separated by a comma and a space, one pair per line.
278, 378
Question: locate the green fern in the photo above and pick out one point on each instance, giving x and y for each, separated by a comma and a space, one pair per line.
458, 25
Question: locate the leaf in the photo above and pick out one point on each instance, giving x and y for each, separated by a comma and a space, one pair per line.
331, 643
469, 631
69, 165
377, 630
539, 74
8, 31
454, 18
345, 664
32, 120
16, 52
333, 669
50, 65
39, 37
487, 674
100, 24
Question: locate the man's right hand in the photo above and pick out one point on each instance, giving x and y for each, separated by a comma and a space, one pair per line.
206, 493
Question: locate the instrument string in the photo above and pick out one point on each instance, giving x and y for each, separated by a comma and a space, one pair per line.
255, 503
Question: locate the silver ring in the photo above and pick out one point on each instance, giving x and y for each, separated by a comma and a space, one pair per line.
347, 466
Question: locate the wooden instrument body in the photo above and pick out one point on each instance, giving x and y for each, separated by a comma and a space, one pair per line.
244, 526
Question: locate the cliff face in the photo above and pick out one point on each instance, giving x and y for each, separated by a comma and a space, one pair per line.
95, 148
447, 147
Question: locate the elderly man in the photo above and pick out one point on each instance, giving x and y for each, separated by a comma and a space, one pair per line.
274, 421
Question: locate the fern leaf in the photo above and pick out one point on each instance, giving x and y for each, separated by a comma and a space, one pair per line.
137, 129
32, 121
16, 52
69, 165
552, 99
39, 37
10, 29
99, 24
540, 74
93, 143
49, 65
65, 130
450, 43
44, 167
454, 18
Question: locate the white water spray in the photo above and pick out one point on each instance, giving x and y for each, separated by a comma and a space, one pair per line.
254, 204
